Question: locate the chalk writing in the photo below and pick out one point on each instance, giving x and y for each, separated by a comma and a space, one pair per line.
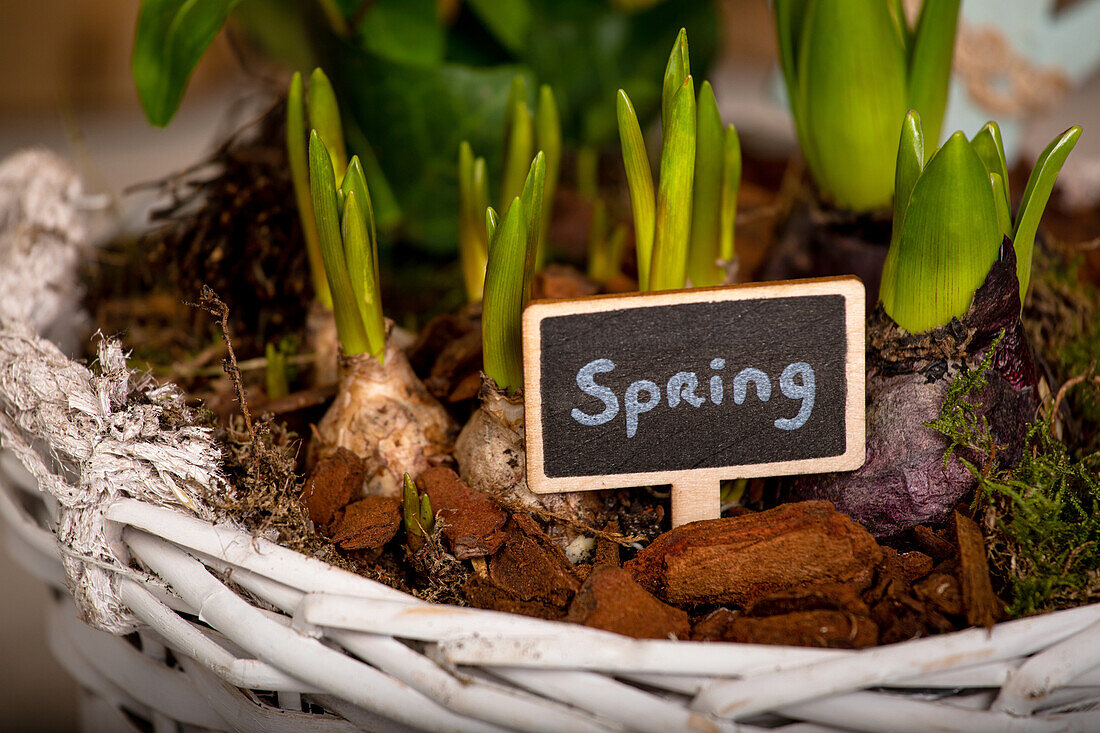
644, 395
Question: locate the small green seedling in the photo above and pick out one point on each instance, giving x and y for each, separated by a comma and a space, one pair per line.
513, 247
605, 248
523, 134
950, 217
419, 519
691, 219
276, 377
473, 199
344, 219
852, 69
321, 113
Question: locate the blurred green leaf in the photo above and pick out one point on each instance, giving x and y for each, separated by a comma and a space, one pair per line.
586, 50
548, 140
417, 155
171, 37
852, 82
520, 141
949, 239
276, 382
1036, 194
406, 31
508, 20
933, 46
296, 137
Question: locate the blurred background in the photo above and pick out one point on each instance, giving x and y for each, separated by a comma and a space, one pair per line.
65, 84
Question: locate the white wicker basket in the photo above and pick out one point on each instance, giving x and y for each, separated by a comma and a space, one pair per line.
354, 654
238, 633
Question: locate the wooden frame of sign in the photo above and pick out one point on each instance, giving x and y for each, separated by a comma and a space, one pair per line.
784, 362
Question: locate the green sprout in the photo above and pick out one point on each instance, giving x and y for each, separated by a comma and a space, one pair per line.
950, 217
321, 113
664, 233
717, 180
605, 249
523, 134
513, 243
344, 219
852, 69
473, 198
276, 376
417, 511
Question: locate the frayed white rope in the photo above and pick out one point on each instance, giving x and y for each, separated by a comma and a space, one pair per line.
89, 438
43, 234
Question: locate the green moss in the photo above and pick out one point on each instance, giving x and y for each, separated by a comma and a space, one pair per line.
1041, 515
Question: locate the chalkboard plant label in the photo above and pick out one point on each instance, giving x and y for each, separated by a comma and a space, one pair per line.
690, 387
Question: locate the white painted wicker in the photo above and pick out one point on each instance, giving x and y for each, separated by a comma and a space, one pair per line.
237, 633
254, 636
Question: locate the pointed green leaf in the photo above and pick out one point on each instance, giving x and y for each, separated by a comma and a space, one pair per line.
171, 37
491, 219
731, 185
703, 252
517, 95
990, 148
672, 230
949, 239
910, 163
296, 137
356, 180
852, 78
930, 63
520, 149
322, 183
410, 507
548, 136
639, 180
533, 190
677, 69
503, 302
324, 117
426, 516
1036, 194
1004, 218
472, 253
362, 269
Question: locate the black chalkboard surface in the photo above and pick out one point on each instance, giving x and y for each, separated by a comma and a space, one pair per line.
694, 385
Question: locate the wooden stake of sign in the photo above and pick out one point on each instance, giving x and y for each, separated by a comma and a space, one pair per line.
690, 387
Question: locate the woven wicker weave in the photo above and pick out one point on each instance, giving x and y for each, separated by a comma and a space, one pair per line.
252, 634
237, 633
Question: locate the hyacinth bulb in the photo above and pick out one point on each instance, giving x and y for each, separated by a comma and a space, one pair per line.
950, 217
